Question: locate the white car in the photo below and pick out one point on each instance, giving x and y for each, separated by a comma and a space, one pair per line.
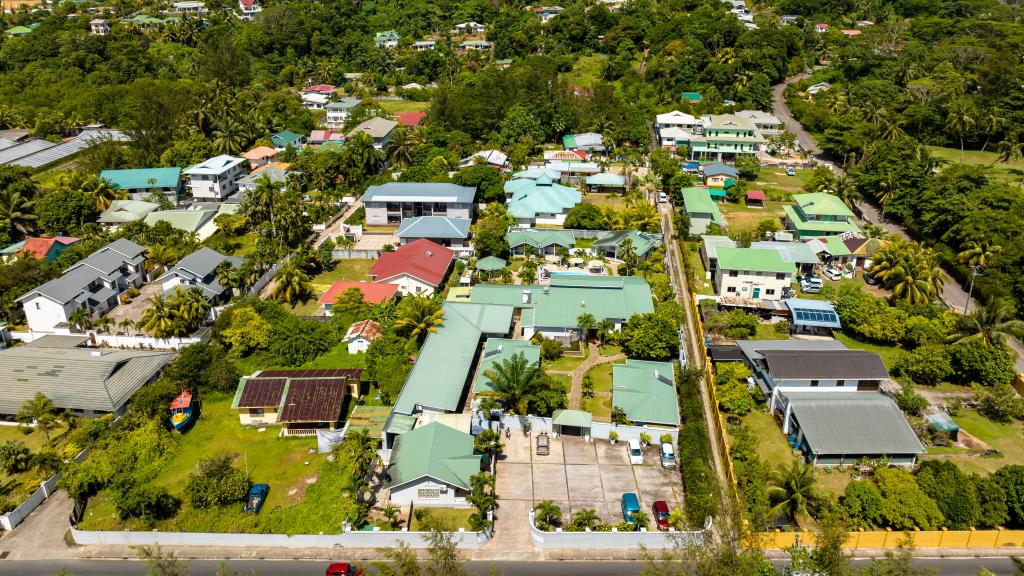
636, 453
668, 455
790, 171
833, 273
662, 198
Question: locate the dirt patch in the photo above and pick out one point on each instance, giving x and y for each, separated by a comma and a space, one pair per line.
967, 441
298, 493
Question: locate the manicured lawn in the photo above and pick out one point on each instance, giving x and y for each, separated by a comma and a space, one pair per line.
772, 446
306, 491
344, 270
564, 379
888, 353
451, 518
587, 70
602, 377
1002, 437
614, 201
695, 267
599, 407
566, 363
244, 245
609, 350
775, 179
834, 481
740, 218
986, 159
395, 106
310, 307
585, 242
767, 332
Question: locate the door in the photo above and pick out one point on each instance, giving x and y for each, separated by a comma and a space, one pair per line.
757, 292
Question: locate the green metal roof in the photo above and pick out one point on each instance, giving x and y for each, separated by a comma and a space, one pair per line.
817, 226
439, 376
400, 423
121, 211
753, 260
606, 179
284, 138
822, 204
540, 238
646, 391
569, 142
491, 264
497, 350
698, 200
187, 220
836, 246
692, 96
717, 192
642, 242
143, 178
528, 197
433, 451
616, 298
576, 418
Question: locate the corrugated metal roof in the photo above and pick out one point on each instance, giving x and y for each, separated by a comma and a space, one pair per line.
646, 391
20, 150
753, 349
433, 451
497, 350
419, 191
868, 423
825, 365
52, 154
433, 227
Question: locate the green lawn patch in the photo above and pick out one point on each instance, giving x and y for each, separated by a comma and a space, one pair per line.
396, 106
566, 363
695, 268
587, 70
15, 488
450, 518
772, 446
599, 407
310, 307
338, 357
740, 218
775, 179
889, 353
1004, 437
585, 242
345, 270
609, 350
986, 160
834, 481
564, 379
767, 332
242, 246
602, 377
616, 202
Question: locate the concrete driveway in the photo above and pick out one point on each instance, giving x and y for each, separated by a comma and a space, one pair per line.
578, 475
134, 309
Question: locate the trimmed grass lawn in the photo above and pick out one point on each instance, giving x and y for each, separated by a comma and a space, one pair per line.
772, 446
986, 160
740, 218
767, 332
566, 363
834, 481
450, 518
338, 357
587, 70
16, 487
775, 179
695, 268
609, 350
1002, 437
355, 270
306, 491
564, 379
599, 407
888, 353
602, 377
395, 106
615, 201
244, 245
310, 307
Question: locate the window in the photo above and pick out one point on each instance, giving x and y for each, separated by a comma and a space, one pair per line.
840, 382
770, 291
734, 273
814, 383
428, 493
731, 289
256, 412
37, 305
780, 276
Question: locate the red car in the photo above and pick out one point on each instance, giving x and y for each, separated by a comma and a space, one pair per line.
343, 569
660, 509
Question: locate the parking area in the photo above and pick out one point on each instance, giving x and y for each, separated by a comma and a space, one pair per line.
134, 309
578, 475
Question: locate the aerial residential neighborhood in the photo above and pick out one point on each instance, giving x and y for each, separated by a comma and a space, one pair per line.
456, 288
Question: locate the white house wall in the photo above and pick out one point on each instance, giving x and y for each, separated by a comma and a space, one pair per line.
409, 285
43, 313
744, 283
448, 497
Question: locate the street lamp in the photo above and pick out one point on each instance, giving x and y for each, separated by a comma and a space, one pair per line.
975, 271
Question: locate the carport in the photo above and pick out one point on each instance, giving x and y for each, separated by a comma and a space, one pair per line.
571, 422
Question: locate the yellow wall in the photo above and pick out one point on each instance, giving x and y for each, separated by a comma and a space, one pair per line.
269, 417
889, 539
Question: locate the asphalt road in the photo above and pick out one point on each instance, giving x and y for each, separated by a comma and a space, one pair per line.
946, 567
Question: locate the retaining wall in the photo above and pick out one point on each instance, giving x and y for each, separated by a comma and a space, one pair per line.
878, 539
631, 540
355, 539
10, 520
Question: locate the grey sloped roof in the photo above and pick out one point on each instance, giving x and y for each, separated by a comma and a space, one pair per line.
103, 263
86, 139
433, 227
753, 349
20, 150
199, 267
853, 423
75, 378
419, 192
825, 365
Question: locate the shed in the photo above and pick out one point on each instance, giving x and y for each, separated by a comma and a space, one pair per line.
812, 315
755, 198
571, 422
941, 422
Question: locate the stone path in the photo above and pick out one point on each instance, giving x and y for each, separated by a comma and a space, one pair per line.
593, 359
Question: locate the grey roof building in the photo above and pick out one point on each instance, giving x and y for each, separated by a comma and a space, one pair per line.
841, 428
825, 365
199, 269
392, 202
87, 381
441, 229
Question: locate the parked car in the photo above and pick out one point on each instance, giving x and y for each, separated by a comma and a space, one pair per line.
810, 287
256, 497
636, 453
790, 171
662, 198
869, 278
660, 513
833, 274
543, 444
343, 569
668, 455
630, 506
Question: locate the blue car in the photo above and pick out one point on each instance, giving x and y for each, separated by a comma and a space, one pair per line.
630, 506
256, 497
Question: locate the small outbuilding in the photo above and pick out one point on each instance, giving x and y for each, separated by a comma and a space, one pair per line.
571, 422
756, 198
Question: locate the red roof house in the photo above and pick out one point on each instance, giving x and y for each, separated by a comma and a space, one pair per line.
756, 198
410, 119
325, 89
360, 334
418, 267
39, 248
372, 293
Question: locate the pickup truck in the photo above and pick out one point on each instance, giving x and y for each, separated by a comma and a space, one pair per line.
543, 444
255, 498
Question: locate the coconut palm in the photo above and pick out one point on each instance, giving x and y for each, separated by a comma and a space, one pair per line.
81, 319
420, 316
959, 121
291, 284
102, 193
225, 272
639, 520
843, 188
126, 324
488, 442
548, 514
514, 381
793, 487
911, 272
399, 149
361, 449
228, 136
1010, 149
160, 255
585, 322
978, 253
41, 410
159, 319
587, 518
18, 211
190, 305
360, 155
991, 324
991, 123
104, 323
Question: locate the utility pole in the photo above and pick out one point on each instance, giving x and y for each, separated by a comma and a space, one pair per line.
975, 271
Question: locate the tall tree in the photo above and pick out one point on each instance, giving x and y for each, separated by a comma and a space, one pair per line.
978, 252
420, 315
960, 121
158, 320
793, 488
514, 381
42, 411
992, 324
291, 284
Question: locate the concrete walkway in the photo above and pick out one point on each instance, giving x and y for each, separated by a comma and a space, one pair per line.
41, 535
594, 358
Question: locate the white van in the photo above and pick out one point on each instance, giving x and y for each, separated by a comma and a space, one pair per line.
636, 453
662, 198
668, 455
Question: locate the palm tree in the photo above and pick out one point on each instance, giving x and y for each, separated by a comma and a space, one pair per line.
991, 124
630, 260
126, 324
978, 252
960, 120
844, 189
1010, 149
892, 127
362, 450
291, 284
991, 324
604, 328
586, 518
225, 272
399, 149
81, 319
793, 488
488, 442
548, 514
104, 323
912, 272
41, 410
228, 137
18, 211
190, 305
514, 381
160, 255
102, 193
420, 316
639, 520
158, 320
585, 322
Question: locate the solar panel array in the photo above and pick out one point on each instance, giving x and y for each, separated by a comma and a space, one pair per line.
815, 315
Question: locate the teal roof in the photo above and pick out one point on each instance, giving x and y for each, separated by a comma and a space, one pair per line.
433, 227
439, 375
616, 298
822, 204
497, 350
535, 172
642, 242
143, 178
540, 238
817, 227
491, 264
646, 391
284, 138
18, 31
575, 418
753, 260
692, 96
698, 200
433, 451
606, 179
13, 248
542, 195
717, 192
569, 142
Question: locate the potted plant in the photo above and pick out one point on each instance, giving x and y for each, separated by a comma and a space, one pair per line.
645, 439
613, 436
666, 438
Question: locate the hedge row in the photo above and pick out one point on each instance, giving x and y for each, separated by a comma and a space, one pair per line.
699, 480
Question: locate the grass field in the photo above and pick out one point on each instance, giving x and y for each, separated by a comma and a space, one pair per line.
566, 363
615, 201
602, 377
345, 270
743, 219
1002, 437
888, 353
449, 518
771, 446
18, 486
305, 489
599, 407
767, 332
587, 70
396, 106
244, 245
775, 179
695, 267
987, 160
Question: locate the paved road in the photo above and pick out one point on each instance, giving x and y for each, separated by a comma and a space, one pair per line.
946, 567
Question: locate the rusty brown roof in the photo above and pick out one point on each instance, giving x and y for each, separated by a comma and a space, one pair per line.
314, 400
